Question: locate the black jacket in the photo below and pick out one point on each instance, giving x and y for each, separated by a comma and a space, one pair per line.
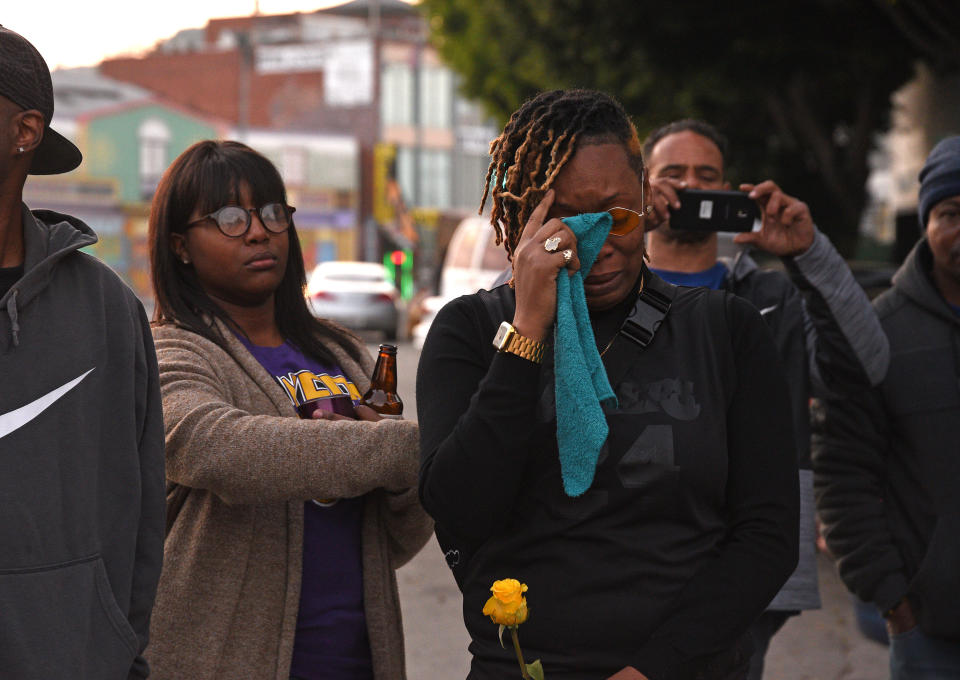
826, 332
689, 528
831, 343
886, 471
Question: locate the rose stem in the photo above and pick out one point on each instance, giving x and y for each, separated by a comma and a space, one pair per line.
516, 646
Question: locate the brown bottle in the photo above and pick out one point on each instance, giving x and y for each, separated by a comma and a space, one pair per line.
382, 396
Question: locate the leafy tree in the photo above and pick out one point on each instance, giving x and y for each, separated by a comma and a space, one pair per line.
800, 88
930, 26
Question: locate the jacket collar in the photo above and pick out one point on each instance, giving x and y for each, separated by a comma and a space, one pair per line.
740, 266
915, 280
48, 237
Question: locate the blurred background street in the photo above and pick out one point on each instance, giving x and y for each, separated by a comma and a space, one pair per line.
379, 113
819, 645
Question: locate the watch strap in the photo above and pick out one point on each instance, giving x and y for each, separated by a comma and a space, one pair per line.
524, 347
508, 340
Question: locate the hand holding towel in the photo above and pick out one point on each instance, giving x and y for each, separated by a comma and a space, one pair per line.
581, 384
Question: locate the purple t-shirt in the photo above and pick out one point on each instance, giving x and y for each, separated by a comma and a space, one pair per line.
331, 642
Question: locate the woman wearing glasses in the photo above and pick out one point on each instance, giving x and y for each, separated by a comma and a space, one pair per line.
647, 550
259, 579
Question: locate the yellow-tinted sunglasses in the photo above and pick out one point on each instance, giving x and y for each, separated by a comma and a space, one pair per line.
625, 220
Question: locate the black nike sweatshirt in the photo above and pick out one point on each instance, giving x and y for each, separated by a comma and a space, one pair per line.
82, 507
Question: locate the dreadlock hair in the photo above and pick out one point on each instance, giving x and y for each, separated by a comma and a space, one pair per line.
536, 143
205, 177
699, 127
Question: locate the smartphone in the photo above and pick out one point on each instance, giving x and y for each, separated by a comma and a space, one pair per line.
702, 210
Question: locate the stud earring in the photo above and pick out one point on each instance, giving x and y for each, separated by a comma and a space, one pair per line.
19, 149
186, 260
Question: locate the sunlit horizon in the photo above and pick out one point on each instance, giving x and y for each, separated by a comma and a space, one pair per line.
69, 34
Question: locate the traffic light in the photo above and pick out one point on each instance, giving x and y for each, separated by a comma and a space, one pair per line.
399, 264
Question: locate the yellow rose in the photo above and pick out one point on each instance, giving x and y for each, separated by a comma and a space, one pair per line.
508, 606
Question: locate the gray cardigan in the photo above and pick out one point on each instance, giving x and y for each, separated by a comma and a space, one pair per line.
239, 466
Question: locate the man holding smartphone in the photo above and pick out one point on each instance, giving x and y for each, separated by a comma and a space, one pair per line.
827, 333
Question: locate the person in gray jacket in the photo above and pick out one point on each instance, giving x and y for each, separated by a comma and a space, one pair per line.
886, 470
81, 429
828, 336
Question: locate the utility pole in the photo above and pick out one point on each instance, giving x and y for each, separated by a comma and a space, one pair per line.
369, 231
245, 49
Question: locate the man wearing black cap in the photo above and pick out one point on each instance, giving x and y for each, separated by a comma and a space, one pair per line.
887, 470
81, 432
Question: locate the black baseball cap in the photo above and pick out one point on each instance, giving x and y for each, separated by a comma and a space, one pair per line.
25, 80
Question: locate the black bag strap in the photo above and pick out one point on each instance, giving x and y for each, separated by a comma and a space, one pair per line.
649, 311
717, 301
641, 325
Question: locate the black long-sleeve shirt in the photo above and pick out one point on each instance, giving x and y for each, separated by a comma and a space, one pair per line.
689, 528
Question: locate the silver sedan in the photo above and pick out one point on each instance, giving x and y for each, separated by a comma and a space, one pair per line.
358, 295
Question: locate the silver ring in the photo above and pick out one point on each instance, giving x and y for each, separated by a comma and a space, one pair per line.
567, 256
551, 244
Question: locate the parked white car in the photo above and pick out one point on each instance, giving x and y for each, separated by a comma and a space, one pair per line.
473, 261
358, 295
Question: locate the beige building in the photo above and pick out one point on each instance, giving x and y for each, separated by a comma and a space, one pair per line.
925, 110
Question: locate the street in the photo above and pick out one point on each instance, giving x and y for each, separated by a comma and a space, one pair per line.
818, 645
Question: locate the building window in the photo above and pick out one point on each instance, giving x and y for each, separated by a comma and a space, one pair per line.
436, 97
396, 95
435, 179
434, 185
154, 138
294, 164
405, 168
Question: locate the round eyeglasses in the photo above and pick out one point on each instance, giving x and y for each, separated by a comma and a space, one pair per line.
234, 221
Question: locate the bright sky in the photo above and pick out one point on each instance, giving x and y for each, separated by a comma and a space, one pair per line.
80, 33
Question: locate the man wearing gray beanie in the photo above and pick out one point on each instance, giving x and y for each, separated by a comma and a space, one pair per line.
886, 473
940, 177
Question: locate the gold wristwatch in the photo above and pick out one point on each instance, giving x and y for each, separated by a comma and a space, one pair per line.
508, 340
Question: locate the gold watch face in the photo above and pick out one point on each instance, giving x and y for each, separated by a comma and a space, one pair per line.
503, 334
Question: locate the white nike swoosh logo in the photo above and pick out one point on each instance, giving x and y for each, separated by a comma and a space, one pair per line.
17, 418
767, 310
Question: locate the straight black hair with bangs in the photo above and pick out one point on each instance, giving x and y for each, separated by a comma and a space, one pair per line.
204, 178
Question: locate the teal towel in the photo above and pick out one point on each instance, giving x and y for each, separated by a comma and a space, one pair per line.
580, 379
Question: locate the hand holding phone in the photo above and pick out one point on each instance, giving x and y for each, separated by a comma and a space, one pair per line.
714, 210
787, 228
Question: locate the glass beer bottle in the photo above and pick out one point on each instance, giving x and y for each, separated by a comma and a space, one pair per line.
382, 396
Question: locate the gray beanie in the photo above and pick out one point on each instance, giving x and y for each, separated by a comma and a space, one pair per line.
940, 177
